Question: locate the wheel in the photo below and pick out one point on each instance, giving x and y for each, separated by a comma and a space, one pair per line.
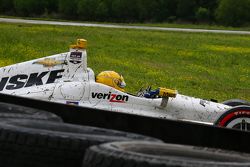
236, 102
236, 117
32, 143
8, 110
150, 154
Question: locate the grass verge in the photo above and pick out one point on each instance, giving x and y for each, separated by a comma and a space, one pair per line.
197, 64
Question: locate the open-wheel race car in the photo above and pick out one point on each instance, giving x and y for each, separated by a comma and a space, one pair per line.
66, 78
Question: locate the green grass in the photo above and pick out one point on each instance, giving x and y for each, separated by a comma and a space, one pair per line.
196, 64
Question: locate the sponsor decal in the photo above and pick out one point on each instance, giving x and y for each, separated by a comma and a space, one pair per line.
242, 113
72, 102
75, 57
47, 62
112, 97
204, 103
23, 80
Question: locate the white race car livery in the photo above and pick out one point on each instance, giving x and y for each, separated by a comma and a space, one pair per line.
65, 78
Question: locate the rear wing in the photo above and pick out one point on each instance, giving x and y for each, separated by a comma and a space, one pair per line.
69, 66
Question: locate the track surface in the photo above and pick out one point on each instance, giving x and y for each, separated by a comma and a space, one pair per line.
122, 26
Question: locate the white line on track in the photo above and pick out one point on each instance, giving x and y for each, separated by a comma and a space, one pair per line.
122, 26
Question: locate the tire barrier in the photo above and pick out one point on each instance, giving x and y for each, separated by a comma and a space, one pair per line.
8, 110
149, 154
169, 131
29, 143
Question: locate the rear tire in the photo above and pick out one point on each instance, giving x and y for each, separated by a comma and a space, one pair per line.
32, 143
236, 118
149, 154
236, 102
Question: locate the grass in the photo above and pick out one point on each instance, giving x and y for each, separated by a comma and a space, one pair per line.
197, 64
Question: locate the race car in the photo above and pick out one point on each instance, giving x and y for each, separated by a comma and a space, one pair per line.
66, 78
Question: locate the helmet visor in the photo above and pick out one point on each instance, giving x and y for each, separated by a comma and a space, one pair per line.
122, 83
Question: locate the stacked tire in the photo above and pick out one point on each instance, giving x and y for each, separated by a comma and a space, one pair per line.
12, 111
30, 137
152, 154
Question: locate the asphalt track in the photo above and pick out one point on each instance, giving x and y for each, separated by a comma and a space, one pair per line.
8, 20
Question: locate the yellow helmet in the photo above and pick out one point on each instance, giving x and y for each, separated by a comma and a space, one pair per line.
111, 78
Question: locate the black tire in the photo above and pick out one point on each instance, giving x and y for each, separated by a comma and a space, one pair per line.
149, 154
236, 102
236, 118
8, 110
37, 143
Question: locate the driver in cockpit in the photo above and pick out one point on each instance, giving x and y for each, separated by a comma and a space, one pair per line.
112, 79
115, 80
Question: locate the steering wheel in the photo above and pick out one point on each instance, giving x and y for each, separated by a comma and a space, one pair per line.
143, 91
